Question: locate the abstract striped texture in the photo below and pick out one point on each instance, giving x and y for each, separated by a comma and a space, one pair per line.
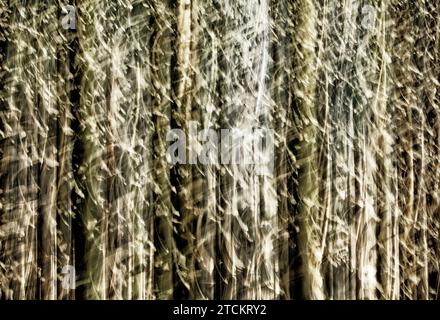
90, 208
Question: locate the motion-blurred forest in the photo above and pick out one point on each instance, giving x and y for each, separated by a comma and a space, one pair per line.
89, 91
